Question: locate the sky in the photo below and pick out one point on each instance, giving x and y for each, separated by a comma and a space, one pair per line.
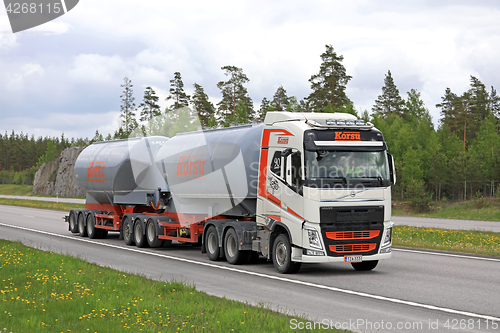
65, 76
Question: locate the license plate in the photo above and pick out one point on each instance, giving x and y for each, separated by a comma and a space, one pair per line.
353, 258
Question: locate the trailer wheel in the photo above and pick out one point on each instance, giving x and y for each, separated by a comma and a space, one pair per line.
73, 221
82, 231
127, 230
139, 237
282, 256
212, 244
92, 232
365, 265
152, 235
233, 254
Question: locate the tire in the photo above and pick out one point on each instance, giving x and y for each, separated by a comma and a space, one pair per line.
127, 231
73, 221
282, 256
82, 231
151, 234
365, 265
92, 232
212, 244
233, 255
139, 236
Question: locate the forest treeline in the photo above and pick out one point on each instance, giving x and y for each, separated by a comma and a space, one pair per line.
464, 147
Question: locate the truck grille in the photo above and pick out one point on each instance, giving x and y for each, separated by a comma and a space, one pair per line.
349, 235
352, 248
352, 230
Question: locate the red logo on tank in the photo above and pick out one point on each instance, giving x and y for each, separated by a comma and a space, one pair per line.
95, 171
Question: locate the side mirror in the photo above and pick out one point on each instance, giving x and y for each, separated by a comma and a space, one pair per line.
392, 169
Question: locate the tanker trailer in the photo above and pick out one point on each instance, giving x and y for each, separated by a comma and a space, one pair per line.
312, 188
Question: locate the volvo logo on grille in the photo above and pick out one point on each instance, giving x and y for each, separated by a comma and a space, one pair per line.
353, 194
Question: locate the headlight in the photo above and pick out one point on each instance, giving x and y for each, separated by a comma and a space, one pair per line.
314, 240
388, 235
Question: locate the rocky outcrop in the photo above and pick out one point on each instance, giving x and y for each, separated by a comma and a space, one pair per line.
57, 177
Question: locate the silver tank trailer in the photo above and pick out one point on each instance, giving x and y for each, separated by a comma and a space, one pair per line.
207, 172
213, 172
120, 172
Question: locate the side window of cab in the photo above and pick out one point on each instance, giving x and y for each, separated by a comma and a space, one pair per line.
276, 164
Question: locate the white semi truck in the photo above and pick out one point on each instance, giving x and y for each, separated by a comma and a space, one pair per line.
299, 188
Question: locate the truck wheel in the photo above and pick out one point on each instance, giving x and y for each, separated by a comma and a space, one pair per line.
139, 237
212, 244
365, 265
91, 230
73, 224
282, 256
127, 230
151, 234
82, 231
233, 255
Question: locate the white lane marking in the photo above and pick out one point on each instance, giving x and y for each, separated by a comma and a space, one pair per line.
31, 216
272, 277
447, 254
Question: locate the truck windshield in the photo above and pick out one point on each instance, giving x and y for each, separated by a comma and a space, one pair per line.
347, 167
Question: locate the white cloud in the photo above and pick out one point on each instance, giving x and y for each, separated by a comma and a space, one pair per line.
95, 67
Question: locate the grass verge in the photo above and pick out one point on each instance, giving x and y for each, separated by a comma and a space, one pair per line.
47, 292
478, 209
464, 241
12, 189
63, 206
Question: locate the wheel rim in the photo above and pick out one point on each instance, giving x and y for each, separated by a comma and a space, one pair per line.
211, 242
80, 223
137, 233
126, 230
72, 222
151, 232
280, 254
231, 245
90, 227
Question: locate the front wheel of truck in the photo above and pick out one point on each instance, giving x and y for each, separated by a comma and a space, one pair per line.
282, 256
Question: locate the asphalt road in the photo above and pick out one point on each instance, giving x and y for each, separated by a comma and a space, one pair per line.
412, 292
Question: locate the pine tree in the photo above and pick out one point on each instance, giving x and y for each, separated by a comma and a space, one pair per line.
204, 108
494, 103
265, 106
177, 94
149, 105
415, 109
450, 109
330, 83
280, 99
129, 122
390, 102
233, 92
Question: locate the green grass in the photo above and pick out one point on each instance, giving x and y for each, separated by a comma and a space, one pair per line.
479, 209
47, 292
11, 189
464, 241
63, 206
